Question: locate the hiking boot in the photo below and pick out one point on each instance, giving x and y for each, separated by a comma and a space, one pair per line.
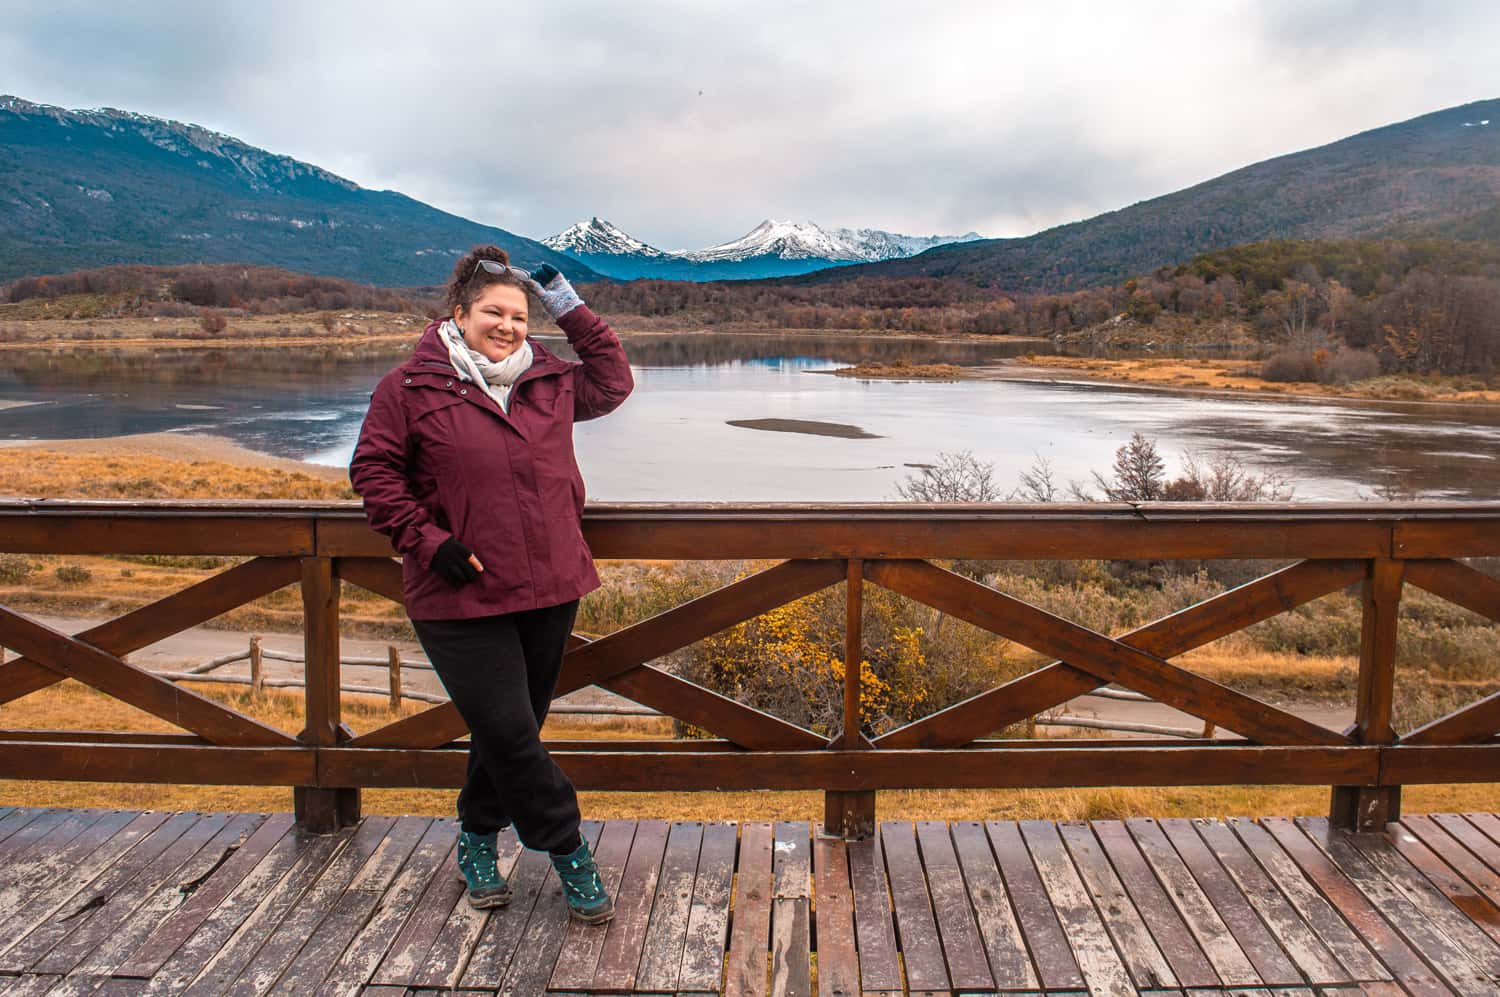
582, 887
476, 862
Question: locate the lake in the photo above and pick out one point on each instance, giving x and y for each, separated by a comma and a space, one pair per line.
672, 440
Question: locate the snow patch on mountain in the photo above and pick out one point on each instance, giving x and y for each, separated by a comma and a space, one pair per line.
597, 236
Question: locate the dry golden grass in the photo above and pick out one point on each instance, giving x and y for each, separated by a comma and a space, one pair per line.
62, 706
1213, 375
29, 328
92, 472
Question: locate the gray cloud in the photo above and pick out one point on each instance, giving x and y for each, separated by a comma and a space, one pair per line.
688, 122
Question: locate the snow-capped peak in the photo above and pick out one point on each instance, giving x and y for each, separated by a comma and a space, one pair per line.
806, 240
597, 236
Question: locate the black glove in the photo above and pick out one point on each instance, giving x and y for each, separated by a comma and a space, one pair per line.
451, 560
543, 274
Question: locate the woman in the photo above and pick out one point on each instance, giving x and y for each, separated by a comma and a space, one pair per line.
465, 460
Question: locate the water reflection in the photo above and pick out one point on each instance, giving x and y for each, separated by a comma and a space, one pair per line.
674, 439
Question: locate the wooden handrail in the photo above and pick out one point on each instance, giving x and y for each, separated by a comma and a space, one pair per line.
318, 546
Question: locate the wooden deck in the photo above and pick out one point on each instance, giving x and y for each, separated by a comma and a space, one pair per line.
118, 902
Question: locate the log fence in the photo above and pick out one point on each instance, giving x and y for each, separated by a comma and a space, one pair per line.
1376, 548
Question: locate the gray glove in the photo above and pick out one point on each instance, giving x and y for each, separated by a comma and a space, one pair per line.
551, 288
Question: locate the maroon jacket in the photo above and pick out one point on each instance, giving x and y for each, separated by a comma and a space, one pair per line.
437, 457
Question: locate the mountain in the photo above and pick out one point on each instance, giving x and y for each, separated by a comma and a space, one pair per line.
81, 189
771, 249
1434, 176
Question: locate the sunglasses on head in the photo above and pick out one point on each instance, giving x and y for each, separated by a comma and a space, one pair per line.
496, 267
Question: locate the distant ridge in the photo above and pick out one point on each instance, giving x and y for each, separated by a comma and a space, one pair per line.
1436, 176
771, 249
82, 189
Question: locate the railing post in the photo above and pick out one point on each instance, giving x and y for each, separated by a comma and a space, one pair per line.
1370, 808
318, 808
393, 659
257, 667
851, 814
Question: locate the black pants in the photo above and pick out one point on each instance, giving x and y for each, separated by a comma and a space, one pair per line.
500, 672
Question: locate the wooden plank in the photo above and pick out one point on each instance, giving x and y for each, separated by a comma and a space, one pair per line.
1197, 910
229, 936
1178, 945
170, 887
1420, 894
365, 950
135, 763
302, 920
1097, 654
741, 724
963, 945
838, 959
994, 532
1326, 922
791, 910
136, 686
1030, 766
407, 954
874, 923
450, 952
1458, 583
1144, 960
1479, 858
1296, 938
620, 955
1273, 965
1203, 623
548, 927
16, 818
1003, 943
708, 918
1443, 866
327, 944
921, 947
94, 913
164, 617
40, 882
1055, 964
1334, 882
59, 526
1488, 824
27, 986
666, 934
582, 944
87, 885
1097, 959
381, 575
750, 933
502, 932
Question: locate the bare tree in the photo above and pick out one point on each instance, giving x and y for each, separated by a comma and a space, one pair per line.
956, 477
1037, 483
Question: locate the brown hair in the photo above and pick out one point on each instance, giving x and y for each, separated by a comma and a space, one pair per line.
469, 279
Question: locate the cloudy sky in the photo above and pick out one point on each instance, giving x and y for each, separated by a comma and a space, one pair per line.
688, 122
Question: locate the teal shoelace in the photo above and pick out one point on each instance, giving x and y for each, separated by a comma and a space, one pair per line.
582, 880
481, 855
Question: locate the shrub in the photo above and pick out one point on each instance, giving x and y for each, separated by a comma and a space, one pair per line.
1347, 366
73, 574
16, 568
212, 322
1289, 366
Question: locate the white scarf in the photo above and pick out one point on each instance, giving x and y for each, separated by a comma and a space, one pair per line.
494, 377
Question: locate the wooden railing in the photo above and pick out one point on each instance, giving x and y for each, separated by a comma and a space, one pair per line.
1378, 547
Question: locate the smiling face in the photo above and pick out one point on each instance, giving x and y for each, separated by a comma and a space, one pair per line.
495, 324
